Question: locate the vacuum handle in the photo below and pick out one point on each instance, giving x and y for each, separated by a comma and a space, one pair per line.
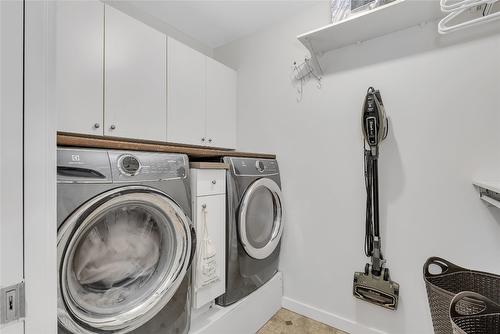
472, 304
446, 266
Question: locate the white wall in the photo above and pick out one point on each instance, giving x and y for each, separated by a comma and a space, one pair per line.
11, 150
442, 98
130, 9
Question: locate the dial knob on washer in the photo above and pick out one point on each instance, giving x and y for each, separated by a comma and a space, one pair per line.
129, 165
260, 166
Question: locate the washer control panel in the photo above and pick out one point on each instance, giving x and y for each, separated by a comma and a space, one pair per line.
75, 165
129, 165
145, 166
82, 166
254, 167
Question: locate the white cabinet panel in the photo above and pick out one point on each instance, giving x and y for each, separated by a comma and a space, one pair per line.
118, 77
11, 142
11, 150
201, 99
221, 105
210, 208
40, 200
135, 78
79, 52
186, 94
211, 182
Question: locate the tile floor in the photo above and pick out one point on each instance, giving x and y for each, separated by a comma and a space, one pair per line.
288, 322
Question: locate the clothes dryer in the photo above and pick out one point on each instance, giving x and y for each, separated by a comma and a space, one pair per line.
255, 221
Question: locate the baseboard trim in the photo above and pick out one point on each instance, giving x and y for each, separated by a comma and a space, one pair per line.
328, 318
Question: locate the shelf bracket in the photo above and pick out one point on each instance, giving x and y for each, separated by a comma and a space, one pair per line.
314, 57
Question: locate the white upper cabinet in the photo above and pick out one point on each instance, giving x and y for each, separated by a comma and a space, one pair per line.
79, 41
221, 105
201, 99
135, 78
116, 76
186, 94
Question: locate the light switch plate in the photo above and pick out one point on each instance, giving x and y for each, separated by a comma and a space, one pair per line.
12, 303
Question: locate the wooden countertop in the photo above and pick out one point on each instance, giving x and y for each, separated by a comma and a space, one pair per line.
208, 165
194, 152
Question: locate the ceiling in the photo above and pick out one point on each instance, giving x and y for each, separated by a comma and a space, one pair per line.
216, 23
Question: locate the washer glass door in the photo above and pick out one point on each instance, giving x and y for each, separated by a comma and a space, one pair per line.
261, 218
121, 258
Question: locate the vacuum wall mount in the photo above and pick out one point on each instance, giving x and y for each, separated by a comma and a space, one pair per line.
374, 284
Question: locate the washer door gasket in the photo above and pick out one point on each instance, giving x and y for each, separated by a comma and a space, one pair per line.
260, 207
121, 257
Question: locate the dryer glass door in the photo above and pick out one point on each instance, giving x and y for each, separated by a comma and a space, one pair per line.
121, 258
261, 218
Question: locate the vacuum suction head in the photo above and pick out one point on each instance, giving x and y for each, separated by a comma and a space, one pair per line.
378, 290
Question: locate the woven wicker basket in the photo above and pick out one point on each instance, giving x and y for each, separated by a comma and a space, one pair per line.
442, 288
471, 312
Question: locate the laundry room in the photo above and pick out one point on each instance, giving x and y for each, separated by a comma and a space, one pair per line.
249, 166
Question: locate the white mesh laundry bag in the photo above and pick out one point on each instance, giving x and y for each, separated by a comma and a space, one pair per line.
207, 263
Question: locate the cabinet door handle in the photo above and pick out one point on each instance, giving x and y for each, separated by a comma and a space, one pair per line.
97, 125
203, 206
203, 139
214, 182
112, 127
209, 140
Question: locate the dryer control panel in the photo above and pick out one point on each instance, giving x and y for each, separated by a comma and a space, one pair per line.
254, 167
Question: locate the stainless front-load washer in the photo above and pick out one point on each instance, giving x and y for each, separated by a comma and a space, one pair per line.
125, 242
255, 220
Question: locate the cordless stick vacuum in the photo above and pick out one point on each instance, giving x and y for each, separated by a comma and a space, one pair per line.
374, 285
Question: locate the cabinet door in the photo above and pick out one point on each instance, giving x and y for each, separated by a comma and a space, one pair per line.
213, 209
221, 104
186, 94
135, 78
79, 38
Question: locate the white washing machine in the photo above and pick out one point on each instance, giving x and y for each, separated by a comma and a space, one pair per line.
125, 242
